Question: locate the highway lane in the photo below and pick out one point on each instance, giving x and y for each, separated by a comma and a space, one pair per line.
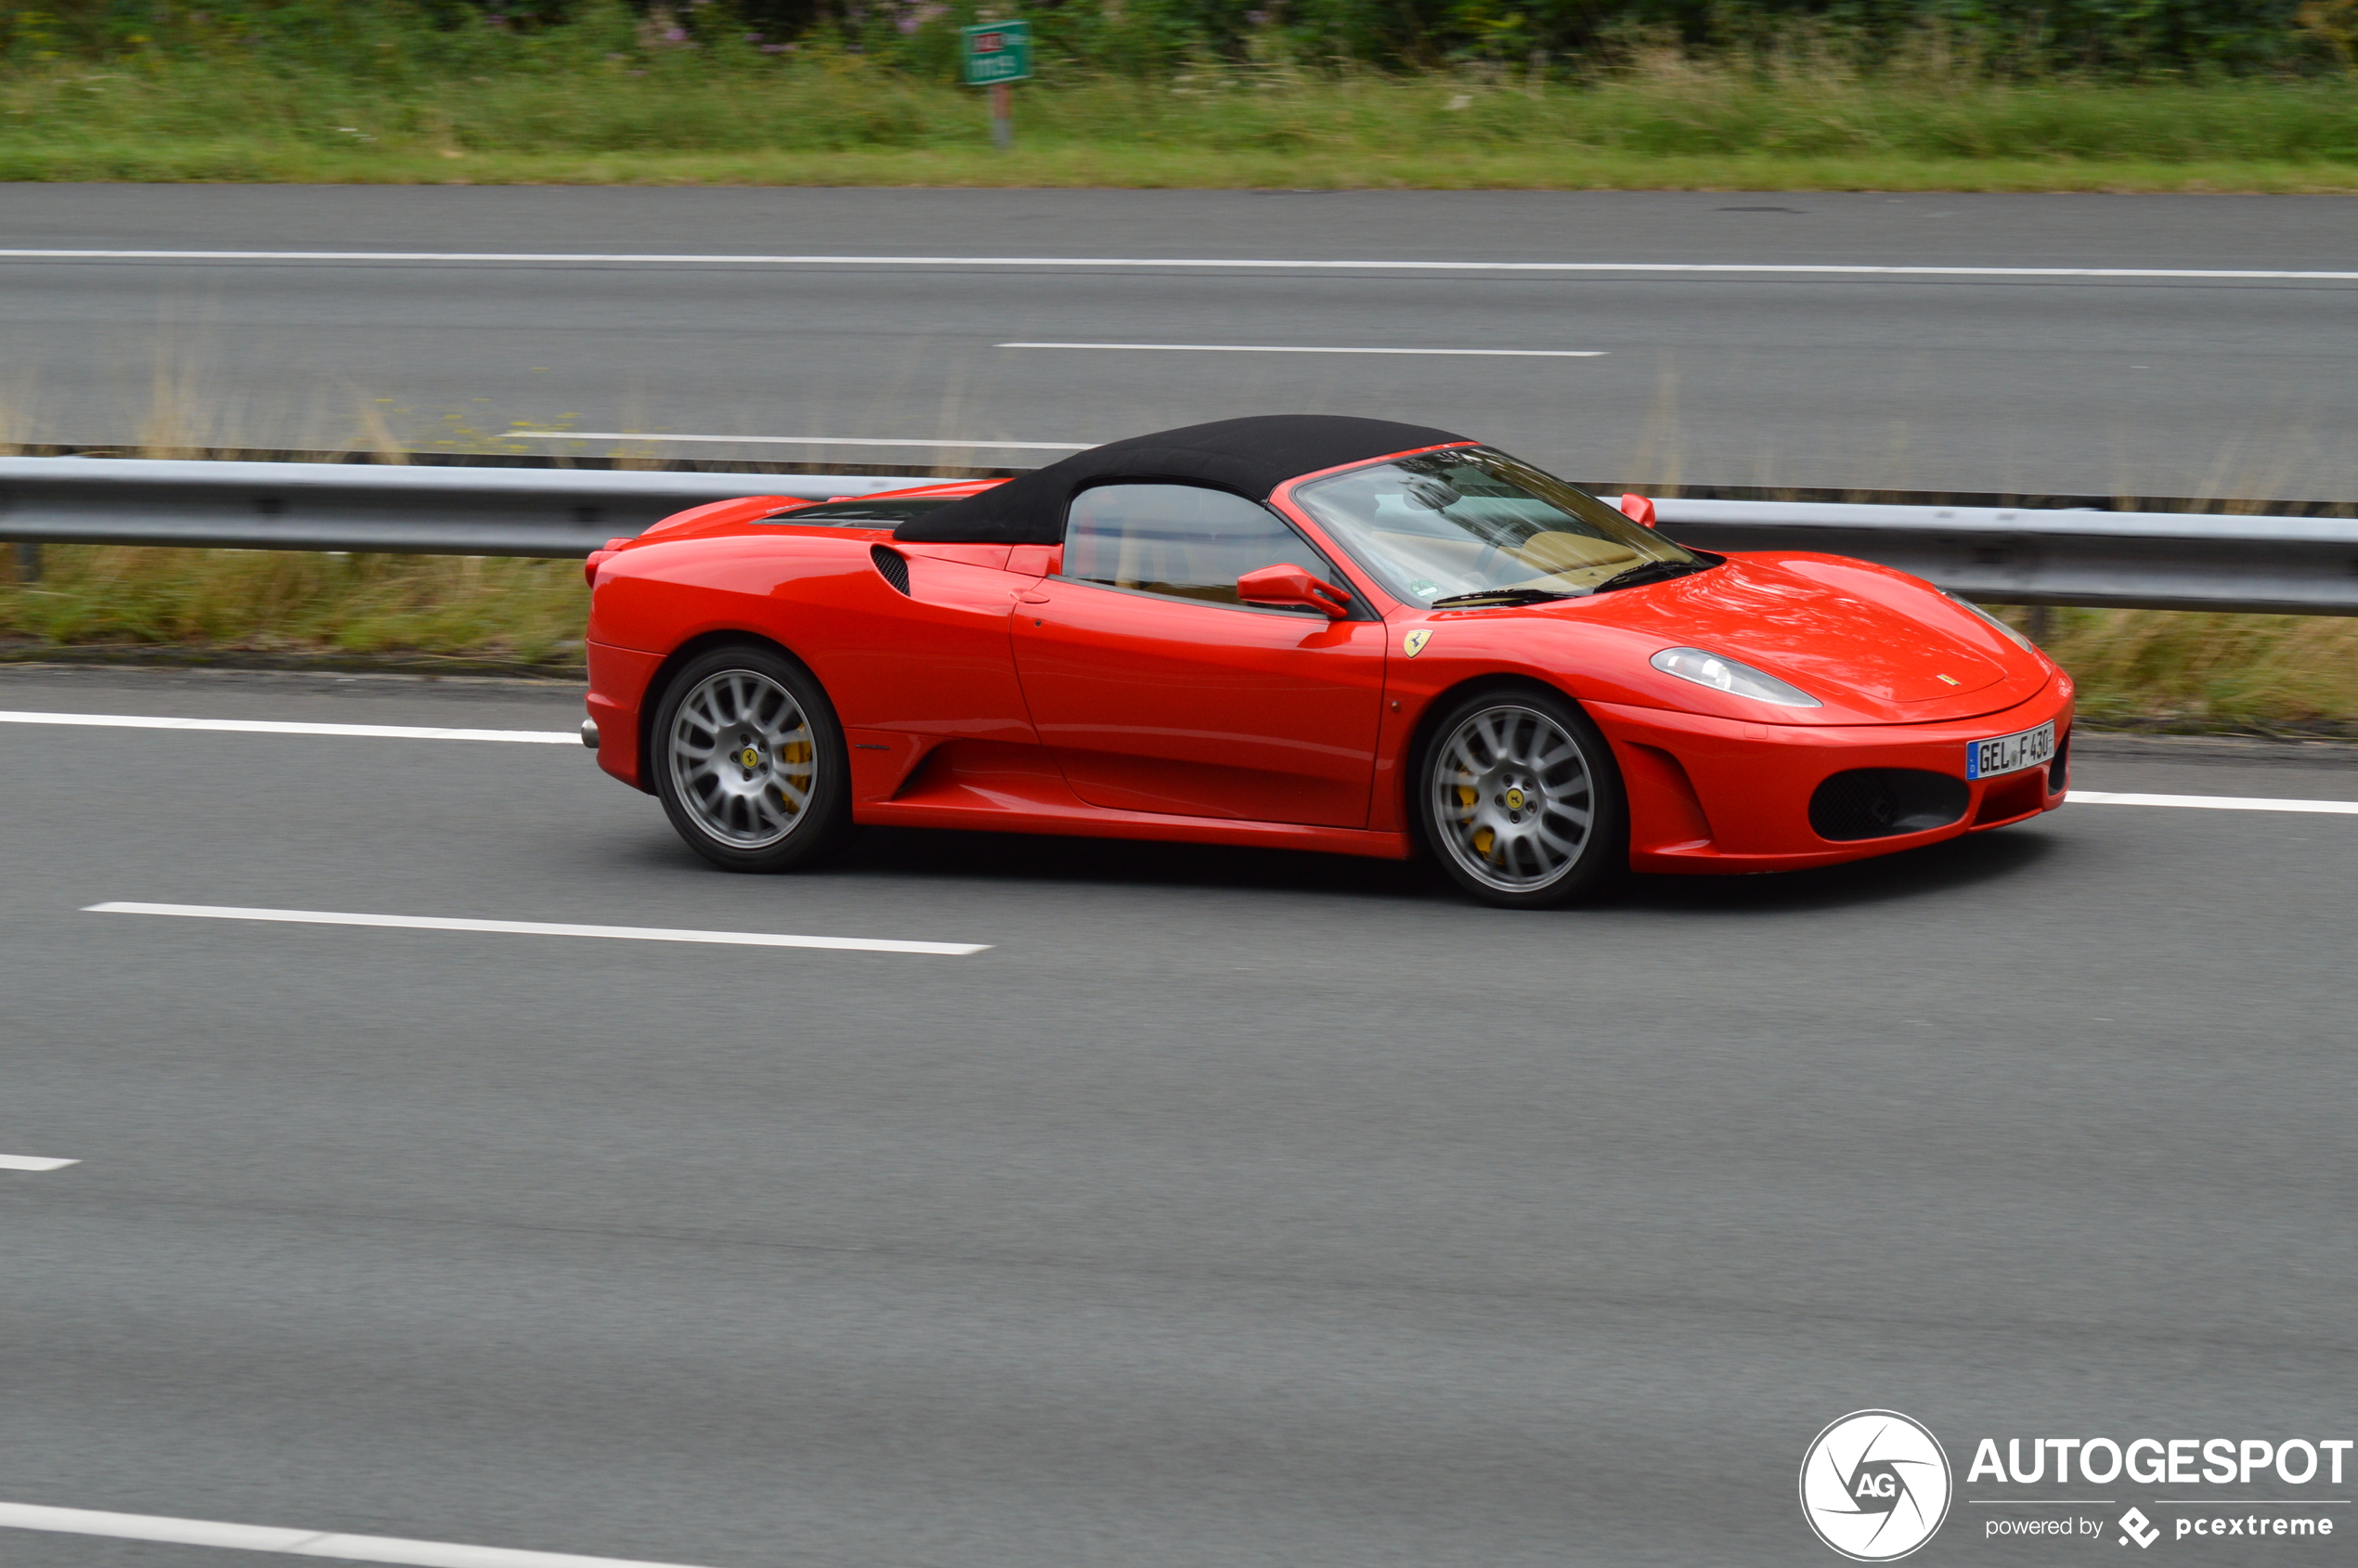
2166, 386
1233, 1208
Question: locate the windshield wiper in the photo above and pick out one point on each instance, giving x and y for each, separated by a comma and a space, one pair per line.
1498, 596
1652, 572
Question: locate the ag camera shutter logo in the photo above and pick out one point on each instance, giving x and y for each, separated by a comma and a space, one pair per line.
1875, 1485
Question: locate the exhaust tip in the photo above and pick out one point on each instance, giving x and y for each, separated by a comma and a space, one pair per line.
590, 734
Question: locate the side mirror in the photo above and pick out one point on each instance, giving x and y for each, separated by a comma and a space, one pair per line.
1637, 508
1294, 588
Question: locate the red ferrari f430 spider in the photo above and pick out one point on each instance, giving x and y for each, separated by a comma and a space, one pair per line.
1306, 632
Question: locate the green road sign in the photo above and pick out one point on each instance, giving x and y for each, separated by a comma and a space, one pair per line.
999, 51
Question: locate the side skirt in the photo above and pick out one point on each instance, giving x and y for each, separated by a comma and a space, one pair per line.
1091, 821
987, 786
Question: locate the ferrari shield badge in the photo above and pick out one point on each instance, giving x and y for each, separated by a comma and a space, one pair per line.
1414, 643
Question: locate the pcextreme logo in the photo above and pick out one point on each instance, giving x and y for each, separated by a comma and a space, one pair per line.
1875, 1485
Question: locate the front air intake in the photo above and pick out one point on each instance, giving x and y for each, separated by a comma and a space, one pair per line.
1884, 803
892, 564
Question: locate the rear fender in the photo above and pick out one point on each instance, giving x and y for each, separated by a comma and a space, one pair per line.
659, 684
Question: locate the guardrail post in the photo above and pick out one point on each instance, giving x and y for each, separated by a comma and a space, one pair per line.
2037, 623
28, 562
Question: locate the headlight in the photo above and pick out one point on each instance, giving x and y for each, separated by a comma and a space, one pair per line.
1969, 606
1726, 675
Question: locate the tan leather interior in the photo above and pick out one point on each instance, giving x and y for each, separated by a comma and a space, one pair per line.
1563, 552
1551, 558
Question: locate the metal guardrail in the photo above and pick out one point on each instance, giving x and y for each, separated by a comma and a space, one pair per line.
2150, 560
2163, 560
388, 508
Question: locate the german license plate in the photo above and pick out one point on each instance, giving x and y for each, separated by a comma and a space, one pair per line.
2011, 754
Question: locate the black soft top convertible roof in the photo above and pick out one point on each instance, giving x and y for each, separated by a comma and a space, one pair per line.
1251, 457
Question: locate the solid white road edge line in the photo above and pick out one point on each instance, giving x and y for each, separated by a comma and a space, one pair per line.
1832, 269
537, 929
278, 727
2211, 802
1262, 348
796, 440
33, 1162
296, 1543
562, 736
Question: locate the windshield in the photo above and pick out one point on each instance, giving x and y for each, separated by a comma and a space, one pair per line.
1470, 522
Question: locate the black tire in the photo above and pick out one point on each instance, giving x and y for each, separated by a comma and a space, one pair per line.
790, 805
1520, 815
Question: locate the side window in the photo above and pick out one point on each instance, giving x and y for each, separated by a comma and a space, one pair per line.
1178, 540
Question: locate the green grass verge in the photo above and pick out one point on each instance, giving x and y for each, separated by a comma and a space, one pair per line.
1159, 169
2135, 667
846, 121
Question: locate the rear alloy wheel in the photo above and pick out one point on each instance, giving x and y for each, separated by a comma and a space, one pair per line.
749, 761
1519, 799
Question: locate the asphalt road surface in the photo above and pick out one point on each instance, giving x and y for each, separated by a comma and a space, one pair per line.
2157, 386
1230, 1209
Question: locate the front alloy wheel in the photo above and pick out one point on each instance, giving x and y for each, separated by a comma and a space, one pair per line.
749, 761
1521, 800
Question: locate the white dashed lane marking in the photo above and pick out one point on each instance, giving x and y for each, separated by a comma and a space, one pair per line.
1276, 348
282, 727
33, 1163
295, 1543
796, 440
539, 929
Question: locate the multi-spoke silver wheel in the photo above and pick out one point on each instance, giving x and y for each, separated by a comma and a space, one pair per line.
743, 758
1513, 801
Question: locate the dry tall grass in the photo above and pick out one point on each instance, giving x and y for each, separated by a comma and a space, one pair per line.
2176, 670
524, 613
2135, 667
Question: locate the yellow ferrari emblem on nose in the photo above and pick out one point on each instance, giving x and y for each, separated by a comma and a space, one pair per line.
1414, 643
751, 757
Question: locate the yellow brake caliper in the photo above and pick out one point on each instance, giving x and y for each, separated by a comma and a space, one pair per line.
1469, 798
794, 751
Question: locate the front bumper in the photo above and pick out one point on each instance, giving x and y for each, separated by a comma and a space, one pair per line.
1715, 795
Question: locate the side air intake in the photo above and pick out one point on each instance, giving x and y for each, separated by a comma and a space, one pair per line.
892, 564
